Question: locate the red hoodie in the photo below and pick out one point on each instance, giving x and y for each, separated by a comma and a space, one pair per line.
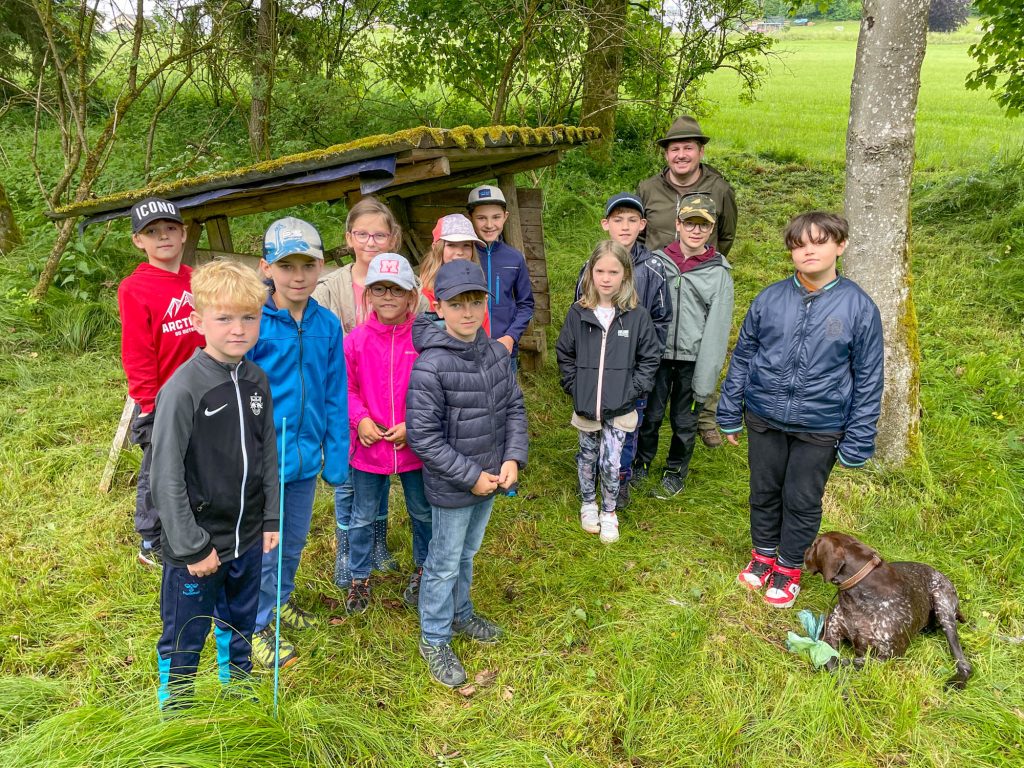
156, 331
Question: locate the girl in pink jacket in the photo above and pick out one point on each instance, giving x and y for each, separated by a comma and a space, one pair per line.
379, 355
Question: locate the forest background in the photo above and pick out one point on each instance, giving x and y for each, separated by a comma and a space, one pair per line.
641, 654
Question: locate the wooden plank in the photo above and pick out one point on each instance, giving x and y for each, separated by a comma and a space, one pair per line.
531, 197
414, 242
194, 230
481, 173
119, 444
204, 255
218, 234
514, 222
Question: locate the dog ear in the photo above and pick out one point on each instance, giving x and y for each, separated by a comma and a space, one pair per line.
833, 563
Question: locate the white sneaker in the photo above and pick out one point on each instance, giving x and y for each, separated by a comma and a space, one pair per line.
589, 519
609, 527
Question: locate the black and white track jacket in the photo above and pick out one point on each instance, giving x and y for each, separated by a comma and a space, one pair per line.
214, 476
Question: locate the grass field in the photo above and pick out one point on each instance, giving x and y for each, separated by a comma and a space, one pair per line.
801, 112
644, 653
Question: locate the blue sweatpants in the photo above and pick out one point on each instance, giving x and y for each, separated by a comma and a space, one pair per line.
187, 605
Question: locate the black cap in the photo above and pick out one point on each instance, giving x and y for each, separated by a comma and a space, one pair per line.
459, 276
153, 209
624, 200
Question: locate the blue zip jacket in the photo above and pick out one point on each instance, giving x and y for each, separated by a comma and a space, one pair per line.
809, 362
510, 305
305, 365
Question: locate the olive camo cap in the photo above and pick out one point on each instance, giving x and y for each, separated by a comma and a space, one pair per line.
697, 206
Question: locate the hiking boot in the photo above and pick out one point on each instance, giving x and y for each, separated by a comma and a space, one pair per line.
358, 598
785, 586
758, 571
411, 593
609, 527
711, 438
294, 617
477, 628
342, 569
672, 484
588, 517
263, 649
443, 664
640, 474
150, 557
380, 558
622, 500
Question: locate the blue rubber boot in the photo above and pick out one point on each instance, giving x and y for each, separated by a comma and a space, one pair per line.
380, 558
342, 567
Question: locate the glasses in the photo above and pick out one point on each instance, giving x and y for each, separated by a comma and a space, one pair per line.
379, 290
699, 226
379, 238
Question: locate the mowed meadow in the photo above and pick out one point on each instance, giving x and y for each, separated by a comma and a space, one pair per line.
644, 653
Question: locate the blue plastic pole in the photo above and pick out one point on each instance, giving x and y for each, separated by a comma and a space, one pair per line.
280, 547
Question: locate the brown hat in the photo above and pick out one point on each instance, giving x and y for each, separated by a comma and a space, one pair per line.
685, 127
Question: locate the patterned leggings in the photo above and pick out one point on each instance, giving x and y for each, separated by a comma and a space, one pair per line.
599, 454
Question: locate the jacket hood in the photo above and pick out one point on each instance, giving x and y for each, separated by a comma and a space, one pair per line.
428, 332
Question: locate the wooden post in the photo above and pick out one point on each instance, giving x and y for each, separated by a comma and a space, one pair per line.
194, 232
119, 444
218, 233
514, 225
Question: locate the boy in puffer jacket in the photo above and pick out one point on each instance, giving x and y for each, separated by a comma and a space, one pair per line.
466, 420
806, 376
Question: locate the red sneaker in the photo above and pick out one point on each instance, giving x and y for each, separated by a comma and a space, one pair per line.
757, 572
785, 586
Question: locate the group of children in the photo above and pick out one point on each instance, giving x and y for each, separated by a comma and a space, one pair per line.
372, 372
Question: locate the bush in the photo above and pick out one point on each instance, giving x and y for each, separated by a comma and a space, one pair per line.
947, 15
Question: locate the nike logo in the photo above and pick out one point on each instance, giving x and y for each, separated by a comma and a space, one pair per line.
208, 412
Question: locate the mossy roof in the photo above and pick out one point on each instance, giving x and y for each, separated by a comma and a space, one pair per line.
464, 137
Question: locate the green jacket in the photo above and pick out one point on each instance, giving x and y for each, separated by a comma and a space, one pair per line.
702, 302
661, 200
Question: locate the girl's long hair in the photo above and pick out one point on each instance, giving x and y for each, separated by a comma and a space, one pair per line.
626, 298
433, 261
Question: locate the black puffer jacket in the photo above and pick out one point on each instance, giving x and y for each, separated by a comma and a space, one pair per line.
464, 412
632, 353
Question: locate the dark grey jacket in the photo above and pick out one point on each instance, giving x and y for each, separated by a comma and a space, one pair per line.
214, 474
464, 412
628, 354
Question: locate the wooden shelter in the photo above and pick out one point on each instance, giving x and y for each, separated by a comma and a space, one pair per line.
422, 173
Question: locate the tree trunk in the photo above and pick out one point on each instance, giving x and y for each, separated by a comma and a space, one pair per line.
602, 71
10, 235
67, 229
263, 78
879, 164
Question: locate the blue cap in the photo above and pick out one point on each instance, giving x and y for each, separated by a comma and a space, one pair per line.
290, 235
459, 276
624, 200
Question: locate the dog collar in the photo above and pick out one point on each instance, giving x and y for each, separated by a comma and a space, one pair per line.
859, 576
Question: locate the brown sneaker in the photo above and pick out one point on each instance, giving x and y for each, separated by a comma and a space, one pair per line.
711, 438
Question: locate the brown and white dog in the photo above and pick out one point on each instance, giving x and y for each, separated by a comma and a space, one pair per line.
883, 605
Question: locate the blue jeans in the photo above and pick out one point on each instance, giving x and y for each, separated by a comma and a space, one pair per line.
448, 572
298, 512
629, 447
369, 489
343, 501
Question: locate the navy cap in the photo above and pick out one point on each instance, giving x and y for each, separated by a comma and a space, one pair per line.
459, 276
153, 209
624, 200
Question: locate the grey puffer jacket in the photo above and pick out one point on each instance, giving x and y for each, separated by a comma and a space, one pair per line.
464, 412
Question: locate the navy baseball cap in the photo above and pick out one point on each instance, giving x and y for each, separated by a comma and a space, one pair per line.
459, 276
624, 200
153, 209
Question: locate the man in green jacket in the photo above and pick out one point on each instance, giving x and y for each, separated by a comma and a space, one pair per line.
685, 173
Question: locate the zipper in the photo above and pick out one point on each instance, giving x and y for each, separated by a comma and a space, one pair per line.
245, 456
600, 370
807, 303
302, 394
391, 387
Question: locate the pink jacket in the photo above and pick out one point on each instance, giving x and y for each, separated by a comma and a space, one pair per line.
379, 361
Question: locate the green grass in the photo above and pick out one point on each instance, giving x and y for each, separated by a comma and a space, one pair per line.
644, 653
801, 111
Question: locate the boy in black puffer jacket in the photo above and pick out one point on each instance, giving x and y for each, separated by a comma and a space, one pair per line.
466, 420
